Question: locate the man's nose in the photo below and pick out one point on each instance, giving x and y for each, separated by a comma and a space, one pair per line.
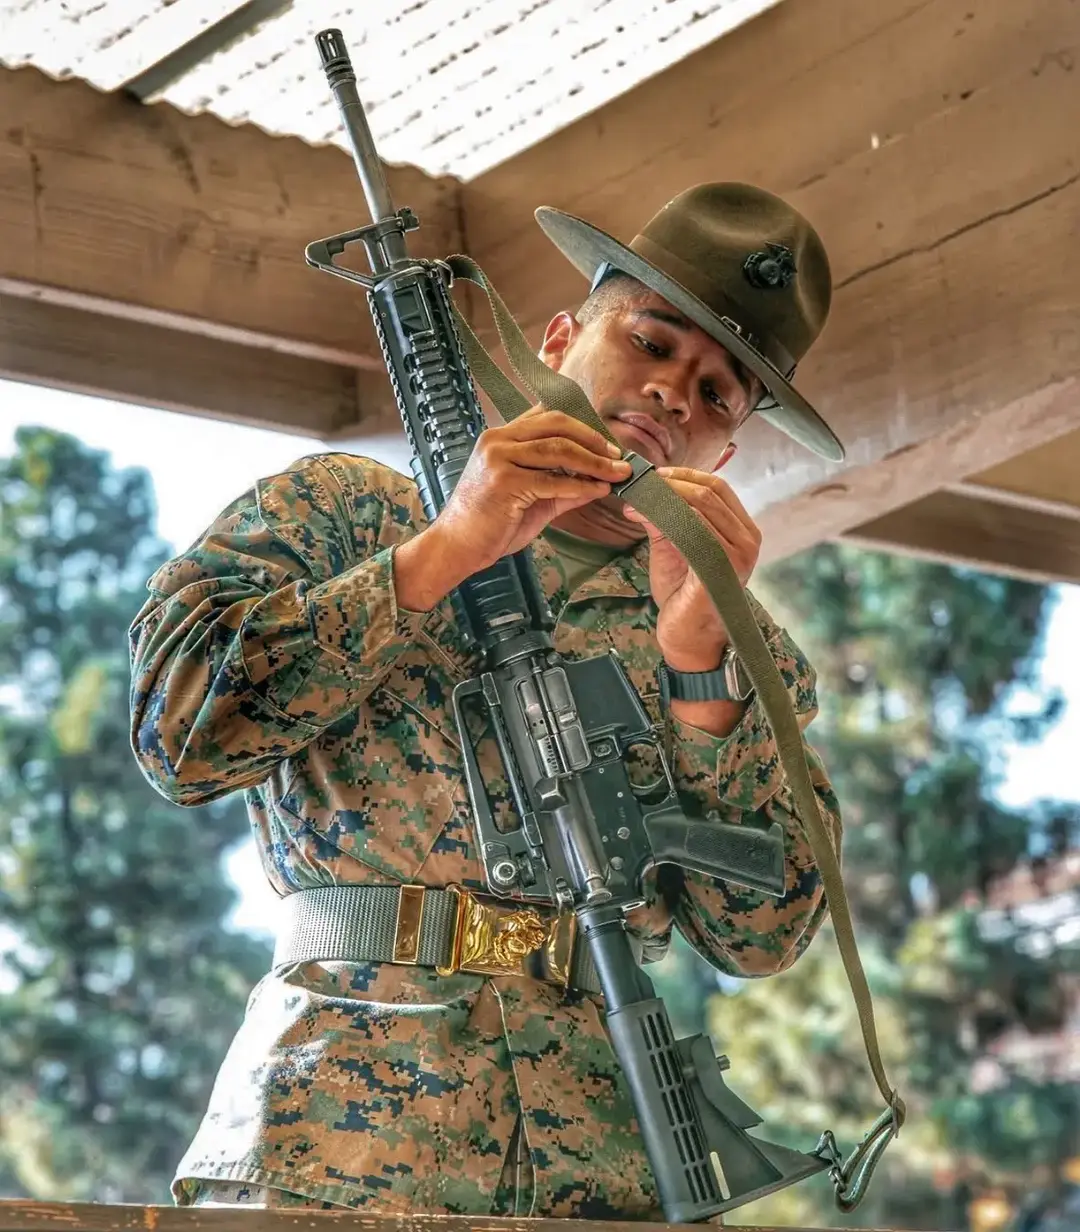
668, 395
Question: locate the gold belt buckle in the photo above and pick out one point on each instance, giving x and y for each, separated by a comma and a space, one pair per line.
410, 917
498, 940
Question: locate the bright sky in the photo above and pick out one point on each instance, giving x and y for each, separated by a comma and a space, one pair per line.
200, 465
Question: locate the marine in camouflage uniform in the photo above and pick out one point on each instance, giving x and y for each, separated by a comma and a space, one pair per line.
273, 657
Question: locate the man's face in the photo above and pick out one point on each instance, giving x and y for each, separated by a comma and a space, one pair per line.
664, 388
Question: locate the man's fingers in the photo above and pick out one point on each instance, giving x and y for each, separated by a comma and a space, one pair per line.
557, 453
739, 541
715, 513
539, 422
715, 500
632, 515
720, 487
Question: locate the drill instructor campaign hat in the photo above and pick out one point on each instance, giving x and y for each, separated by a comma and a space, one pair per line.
743, 265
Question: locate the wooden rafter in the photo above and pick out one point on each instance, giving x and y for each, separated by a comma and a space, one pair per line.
158, 257
933, 144
166, 224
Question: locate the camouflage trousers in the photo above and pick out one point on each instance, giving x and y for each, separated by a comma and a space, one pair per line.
513, 1195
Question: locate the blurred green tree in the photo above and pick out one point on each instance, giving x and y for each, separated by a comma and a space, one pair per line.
925, 673
121, 987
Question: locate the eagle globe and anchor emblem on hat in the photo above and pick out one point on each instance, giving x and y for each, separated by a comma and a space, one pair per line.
773, 266
744, 266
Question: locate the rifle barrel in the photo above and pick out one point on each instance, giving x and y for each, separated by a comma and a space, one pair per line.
342, 81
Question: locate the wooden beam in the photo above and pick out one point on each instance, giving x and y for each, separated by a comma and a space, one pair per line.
975, 443
784, 101
147, 215
102, 1217
933, 144
907, 473
45, 343
1049, 474
969, 527
1020, 517
1067, 511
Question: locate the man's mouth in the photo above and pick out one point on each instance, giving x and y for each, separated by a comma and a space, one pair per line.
654, 437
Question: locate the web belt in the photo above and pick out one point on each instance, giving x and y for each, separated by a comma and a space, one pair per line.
450, 930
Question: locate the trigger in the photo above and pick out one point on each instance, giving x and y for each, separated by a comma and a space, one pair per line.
648, 789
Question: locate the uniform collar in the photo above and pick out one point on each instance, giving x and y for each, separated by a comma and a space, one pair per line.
627, 576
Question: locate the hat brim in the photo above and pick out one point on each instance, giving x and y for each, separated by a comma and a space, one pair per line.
587, 248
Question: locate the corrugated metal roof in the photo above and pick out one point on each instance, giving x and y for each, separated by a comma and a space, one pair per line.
451, 86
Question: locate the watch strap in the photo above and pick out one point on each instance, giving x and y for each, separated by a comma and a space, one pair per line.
727, 683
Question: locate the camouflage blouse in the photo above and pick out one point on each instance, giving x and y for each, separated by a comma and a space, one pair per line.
272, 657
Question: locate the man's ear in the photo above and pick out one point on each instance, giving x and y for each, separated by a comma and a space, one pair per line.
725, 457
561, 331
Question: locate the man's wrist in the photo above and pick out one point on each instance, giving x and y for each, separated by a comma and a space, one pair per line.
424, 571
697, 660
716, 716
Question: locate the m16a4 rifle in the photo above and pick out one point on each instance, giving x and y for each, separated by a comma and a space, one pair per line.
586, 835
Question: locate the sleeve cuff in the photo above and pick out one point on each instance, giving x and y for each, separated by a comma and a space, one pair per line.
331, 642
742, 770
356, 619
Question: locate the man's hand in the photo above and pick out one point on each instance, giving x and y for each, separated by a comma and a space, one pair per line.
519, 477
689, 631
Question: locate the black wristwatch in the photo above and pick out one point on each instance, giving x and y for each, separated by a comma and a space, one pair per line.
727, 683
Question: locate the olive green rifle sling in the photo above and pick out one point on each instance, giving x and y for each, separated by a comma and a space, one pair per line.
654, 499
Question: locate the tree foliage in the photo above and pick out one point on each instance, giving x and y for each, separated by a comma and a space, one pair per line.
121, 988
925, 672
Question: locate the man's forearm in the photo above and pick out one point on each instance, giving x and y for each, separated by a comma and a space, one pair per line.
425, 571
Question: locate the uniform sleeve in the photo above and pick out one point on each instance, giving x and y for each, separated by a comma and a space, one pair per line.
279, 621
739, 777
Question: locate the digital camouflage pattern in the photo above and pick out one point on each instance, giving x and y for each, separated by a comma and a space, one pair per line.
272, 657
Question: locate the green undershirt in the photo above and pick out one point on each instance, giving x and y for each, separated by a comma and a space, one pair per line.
581, 558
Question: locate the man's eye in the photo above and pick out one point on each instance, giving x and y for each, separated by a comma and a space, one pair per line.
716, 399
650, 347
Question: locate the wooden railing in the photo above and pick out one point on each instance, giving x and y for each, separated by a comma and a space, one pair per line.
94, 1217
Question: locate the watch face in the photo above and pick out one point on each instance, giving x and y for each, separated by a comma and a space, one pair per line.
738, 681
